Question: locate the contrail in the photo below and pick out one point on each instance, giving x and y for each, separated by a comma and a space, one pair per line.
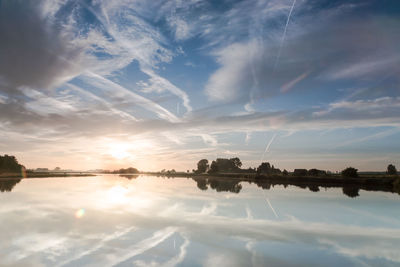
267, 147
269, 203
284, 34
272, 208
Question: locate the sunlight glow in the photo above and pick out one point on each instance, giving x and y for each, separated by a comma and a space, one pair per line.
119, 151
117, 195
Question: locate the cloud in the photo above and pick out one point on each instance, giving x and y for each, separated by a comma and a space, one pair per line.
33, 51
44, 105
235, 78
182, 29
50, 51
157, 238
138, 40
157, 83
78, 68
362, 69
384, 107
361, 49
128, 232
100, 244
124, 94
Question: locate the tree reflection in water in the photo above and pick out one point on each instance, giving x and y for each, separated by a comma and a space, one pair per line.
234, 185
129, 176
351, 191
7, 185
220, 185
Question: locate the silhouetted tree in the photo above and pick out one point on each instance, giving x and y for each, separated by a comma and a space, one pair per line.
236, 162
266, 168
202, 166
350, 172
285, 172
225, 165
213, 167
10, 164
391, 169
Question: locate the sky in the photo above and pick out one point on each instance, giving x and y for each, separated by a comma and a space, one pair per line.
162, 84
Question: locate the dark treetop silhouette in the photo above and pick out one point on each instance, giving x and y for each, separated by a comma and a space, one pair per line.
9, 164
391, 170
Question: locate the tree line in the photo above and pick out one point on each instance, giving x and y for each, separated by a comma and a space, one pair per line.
233, 165
129, 170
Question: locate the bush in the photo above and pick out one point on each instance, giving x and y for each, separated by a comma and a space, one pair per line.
350, 172
391, 169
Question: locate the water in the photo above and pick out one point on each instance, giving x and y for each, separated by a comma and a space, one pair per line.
144, 221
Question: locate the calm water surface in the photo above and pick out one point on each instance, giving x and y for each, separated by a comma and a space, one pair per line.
148, 221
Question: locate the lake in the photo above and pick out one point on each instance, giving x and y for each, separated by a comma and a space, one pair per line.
109, 220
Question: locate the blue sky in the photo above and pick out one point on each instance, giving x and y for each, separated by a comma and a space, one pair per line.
162, 84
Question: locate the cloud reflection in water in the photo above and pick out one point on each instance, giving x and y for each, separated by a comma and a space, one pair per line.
154, 221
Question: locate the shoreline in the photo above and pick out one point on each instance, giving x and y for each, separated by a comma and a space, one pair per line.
382, 183
368, 183
43, 175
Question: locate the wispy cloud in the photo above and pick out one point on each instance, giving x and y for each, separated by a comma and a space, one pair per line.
125, 94
78, 67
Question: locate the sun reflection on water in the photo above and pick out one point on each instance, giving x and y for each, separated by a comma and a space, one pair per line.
117, 195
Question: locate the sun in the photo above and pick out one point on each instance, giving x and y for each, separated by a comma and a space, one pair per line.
118, 151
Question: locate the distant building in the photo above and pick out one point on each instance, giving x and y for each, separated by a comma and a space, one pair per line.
300, 172
41, 170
